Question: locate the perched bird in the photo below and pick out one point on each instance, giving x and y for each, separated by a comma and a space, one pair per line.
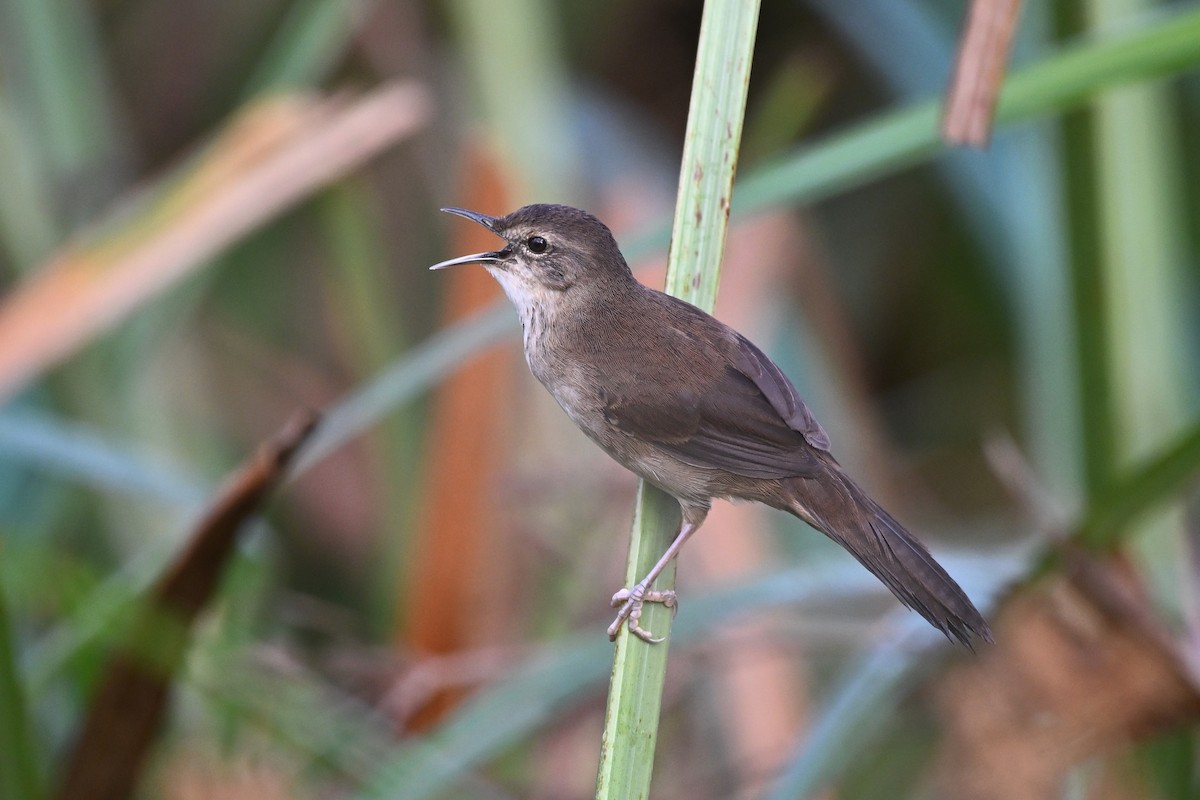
690, 405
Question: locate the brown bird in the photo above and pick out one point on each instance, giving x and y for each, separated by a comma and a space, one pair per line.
690, 405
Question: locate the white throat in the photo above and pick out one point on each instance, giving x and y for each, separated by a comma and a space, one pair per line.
533, 302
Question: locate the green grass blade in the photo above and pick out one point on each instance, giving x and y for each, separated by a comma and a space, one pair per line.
309, 42
1141, 490
710, 152
362, 293
859, 708
78, 452
28, 229
18, 773
1141, 269
53, 51
639, 669
535, 145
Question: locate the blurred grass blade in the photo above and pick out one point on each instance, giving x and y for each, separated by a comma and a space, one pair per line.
787, 105
407, 378
312, 38
489, 722
18, 770
874, 687
28, 229
274, 156
710, 153
77, 452
1141, 490
1142, 268
52, 59
860, 706
537, 150
283, 699
362, 292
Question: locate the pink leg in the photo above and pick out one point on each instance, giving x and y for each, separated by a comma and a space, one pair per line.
631, 601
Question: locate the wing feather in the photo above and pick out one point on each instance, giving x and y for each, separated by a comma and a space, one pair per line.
734, 425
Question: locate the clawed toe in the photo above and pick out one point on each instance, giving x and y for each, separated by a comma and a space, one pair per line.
667, 597
630, 603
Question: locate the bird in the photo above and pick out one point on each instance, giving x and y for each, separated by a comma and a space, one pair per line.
690, 405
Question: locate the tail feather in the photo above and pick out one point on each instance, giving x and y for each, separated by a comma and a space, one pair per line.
839, 508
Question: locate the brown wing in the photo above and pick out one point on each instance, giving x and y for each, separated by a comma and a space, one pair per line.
779, 392
748, 420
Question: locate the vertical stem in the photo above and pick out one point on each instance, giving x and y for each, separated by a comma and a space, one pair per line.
1091, 330
710, 151
639, 669
1141, 268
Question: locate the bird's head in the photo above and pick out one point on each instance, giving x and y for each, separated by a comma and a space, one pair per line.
549, 250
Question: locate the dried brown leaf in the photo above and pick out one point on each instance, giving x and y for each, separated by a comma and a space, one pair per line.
129, 705
979, 71
274, 155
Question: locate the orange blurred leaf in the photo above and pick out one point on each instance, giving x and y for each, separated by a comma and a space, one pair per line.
455, 599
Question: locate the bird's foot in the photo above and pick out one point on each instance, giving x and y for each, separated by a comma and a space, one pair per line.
630, 602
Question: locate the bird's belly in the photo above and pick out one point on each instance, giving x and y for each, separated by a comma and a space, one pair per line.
690, 484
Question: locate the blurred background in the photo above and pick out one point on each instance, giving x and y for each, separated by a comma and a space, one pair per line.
215, 214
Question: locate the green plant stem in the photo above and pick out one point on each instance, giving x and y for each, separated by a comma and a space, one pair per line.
710, 151
639, 669
1141, 269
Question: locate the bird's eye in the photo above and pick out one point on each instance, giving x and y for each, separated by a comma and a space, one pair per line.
536, 244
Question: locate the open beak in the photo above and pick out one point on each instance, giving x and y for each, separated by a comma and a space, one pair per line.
477, 258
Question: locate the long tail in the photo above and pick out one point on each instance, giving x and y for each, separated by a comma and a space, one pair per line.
835, 505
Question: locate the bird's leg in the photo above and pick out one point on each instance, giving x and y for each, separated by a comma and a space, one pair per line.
630, 601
